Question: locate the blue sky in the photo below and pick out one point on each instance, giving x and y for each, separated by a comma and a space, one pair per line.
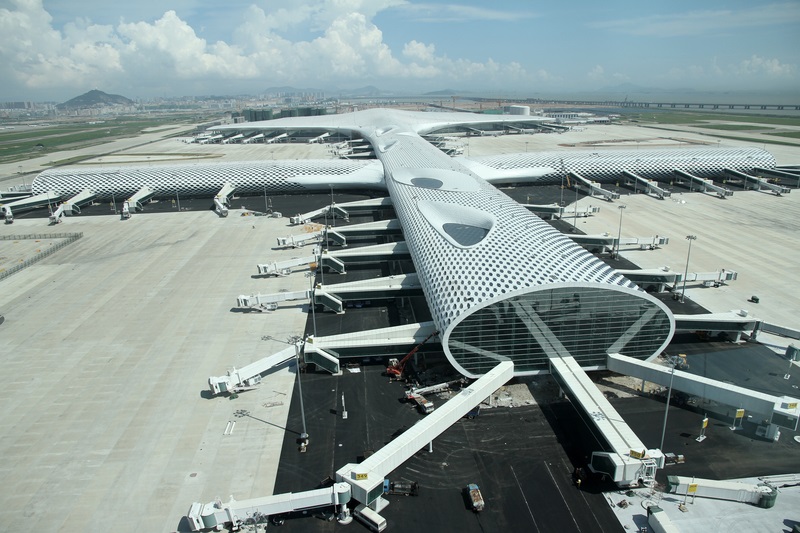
54, 50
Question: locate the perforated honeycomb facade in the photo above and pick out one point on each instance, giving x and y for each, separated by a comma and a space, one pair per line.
519, 254
206, 179
607, 165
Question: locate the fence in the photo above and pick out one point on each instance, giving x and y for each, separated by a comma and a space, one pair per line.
68, 238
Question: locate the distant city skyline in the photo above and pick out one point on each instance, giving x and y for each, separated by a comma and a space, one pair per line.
55, 51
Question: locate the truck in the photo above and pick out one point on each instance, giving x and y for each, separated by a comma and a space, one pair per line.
423, 406
404, 488
475, 497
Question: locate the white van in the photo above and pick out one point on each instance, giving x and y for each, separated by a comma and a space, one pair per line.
369, 518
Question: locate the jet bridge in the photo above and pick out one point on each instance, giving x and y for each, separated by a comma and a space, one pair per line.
247, 377
775, 411
661, 278
593, 187
704, 184
234, 514
136, 201
269, 302
221, 200
757, 183
57, 214
297, 241
339, 235
32, 202
370, 254
778, 173
650, 186
366, 478
733, 324
284, 268
607, 241
386, 341
343, 210
84, 197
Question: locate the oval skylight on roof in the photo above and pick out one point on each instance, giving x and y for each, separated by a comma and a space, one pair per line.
461, 226
428, 183
465, 234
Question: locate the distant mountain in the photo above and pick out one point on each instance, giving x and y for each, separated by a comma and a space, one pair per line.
94, 98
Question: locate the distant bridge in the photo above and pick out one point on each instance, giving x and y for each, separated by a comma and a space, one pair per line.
647, 105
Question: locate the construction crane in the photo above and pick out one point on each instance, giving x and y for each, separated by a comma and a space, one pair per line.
395, 368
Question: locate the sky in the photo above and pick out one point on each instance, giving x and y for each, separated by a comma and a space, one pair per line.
53, 50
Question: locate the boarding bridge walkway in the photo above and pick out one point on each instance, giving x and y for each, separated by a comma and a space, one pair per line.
650, 186
703, 184
57, 214
391, 341
249, 376
32, 202
339, 235
284, 268
298, 241
593, 187
370, 289
757, 183
269, 302
787, 174
342, 210
73, 205
140, 197
780, 411
235, 514
625, 459
607, 241
371, 254
366, 478
222, 201
662, 278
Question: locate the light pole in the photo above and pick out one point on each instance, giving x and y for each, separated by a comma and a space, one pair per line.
304, 434
333, 209
526, 146
666, 409
619, 233
311, 276
690, 238
266, 206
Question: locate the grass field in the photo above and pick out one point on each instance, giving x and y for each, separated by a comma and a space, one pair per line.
25, 142
698, 118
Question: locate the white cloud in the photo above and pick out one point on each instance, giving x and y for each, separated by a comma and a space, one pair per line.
167, 54
755, 65
597, 73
